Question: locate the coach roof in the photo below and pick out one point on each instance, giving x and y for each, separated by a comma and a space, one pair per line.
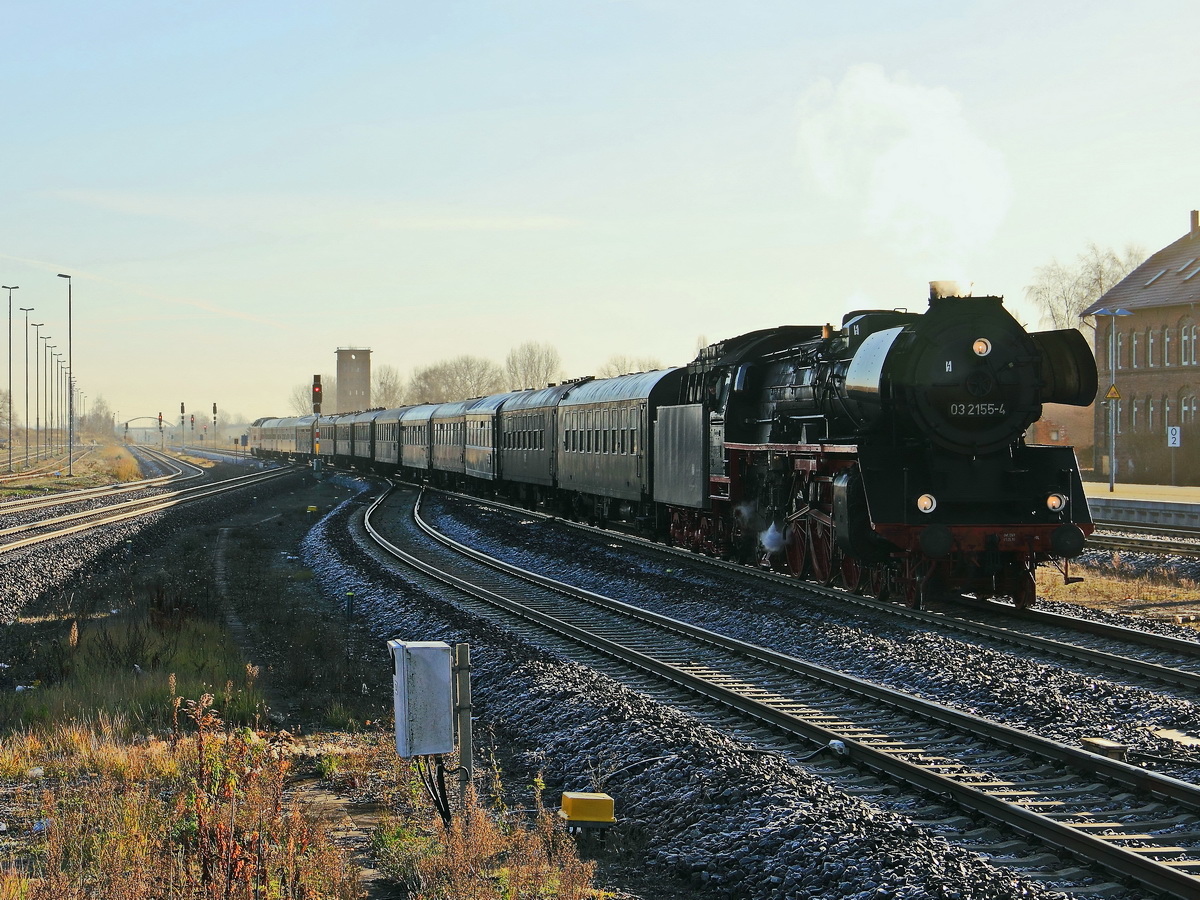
623, 387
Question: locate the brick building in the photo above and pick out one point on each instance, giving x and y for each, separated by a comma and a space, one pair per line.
1153, 362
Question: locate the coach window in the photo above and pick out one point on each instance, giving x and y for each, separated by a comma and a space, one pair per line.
633, 438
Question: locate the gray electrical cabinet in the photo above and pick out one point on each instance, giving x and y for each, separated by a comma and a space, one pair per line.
423, 690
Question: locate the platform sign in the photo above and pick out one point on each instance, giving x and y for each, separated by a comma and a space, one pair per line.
1173, 436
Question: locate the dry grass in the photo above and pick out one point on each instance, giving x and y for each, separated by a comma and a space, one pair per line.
112, 786
1151, 594
200, 815
480, 856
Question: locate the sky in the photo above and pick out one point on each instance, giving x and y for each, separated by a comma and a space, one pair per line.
239, 188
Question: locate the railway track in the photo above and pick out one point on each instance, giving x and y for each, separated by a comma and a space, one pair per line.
1131, 653
183, 471
29, 533
1137, 824
1135, 544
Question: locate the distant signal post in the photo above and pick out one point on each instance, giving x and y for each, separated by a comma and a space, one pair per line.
316, 408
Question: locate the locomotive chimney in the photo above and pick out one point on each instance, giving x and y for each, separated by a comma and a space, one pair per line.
940, 289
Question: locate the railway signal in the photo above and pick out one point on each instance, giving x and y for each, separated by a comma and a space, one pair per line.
160, 421
316, 395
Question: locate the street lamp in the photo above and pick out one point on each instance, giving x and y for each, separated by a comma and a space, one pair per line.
37, 391
10, 407
56, 362
27, 310
71, 369
51, 383
1113, 396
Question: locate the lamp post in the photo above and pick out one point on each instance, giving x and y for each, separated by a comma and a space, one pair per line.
56, 360
52, 398
1113, 396
27, 310
70, 400
48, 394
37, 400
10, 406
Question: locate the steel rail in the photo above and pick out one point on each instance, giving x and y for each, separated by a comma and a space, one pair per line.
64, 497
941, 621
1143, 545
132, 509
1125, 861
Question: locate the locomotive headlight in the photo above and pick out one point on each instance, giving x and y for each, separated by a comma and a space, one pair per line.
1056, 503
927, 503
982, 346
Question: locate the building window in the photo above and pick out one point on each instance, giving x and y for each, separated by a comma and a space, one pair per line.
1150, 347
1166, 410
1150, 414
1117, 413
1185, 346
1133, 416
1133, 350
1120, 349
1166, 346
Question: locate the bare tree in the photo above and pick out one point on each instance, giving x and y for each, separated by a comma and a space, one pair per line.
300, 399
532, 365
620, 364
1063, 292
387, 390
16, 418
99, 418
456, 379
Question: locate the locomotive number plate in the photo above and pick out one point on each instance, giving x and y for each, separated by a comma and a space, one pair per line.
977, 409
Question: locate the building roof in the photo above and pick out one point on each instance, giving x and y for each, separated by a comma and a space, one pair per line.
1171, 277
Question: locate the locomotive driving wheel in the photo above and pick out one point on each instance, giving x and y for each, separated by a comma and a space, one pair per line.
796, 549
851, 572
877, 580
821, 550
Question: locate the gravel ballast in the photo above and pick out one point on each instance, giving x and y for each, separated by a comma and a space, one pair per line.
711, 810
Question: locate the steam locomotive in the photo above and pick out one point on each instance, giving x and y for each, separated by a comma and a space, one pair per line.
887, 456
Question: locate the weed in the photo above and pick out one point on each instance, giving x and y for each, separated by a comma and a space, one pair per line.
202, 817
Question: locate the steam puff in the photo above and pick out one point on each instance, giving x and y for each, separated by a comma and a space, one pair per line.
906, 160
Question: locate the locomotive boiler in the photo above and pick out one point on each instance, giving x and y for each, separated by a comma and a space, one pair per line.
888, 454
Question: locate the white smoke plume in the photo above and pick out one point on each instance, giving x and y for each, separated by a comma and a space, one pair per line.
906, 160
771, 539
